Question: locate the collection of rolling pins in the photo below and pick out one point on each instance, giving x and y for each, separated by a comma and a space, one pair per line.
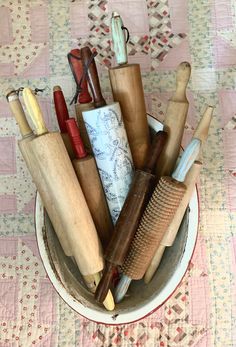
115, 198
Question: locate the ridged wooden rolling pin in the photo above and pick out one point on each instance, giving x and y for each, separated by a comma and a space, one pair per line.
155, 220
127, 89
200, 133
82, 100
62, 115
89, 179
27, 136
174, 122
127, 223
109, 141
64, 191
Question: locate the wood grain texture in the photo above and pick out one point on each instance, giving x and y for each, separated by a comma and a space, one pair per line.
92, 76
44, 193
127, 89
19, 114
79, 108
174, 122
91, 185
67, 197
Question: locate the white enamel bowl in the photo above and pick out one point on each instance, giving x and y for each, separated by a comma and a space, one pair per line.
143, 299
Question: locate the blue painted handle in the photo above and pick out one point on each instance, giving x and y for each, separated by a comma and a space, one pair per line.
122, 288
189, 156
118, 38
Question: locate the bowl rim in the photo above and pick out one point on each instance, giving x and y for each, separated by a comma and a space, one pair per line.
151, 306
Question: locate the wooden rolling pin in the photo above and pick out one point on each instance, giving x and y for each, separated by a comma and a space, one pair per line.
62, 115
174, 122
65, 193
127, 223
109, 141
89, 179
83, 102
155, 220
27, 136
127, 89
200, 133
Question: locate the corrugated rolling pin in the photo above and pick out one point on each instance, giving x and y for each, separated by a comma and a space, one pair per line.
62, 115
155, 220
127, 223
174, 122
109, 141
127, 89
89, 179
82, 98
190, 181
64, 192
27, 136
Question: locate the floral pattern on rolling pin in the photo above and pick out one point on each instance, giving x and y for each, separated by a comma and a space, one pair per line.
112, 153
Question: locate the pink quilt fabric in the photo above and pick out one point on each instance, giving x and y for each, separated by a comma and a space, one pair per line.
35, 37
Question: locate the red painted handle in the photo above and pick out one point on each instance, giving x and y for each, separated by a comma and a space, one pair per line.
75, 138
84, 96
61, 108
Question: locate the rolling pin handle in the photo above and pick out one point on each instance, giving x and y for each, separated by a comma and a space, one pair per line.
105, 283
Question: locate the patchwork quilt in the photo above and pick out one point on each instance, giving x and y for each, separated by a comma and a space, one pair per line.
35, 37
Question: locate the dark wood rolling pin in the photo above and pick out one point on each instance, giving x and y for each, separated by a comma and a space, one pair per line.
89, 179
130, 215
62, 115
109, 141
82, 99
27, 136
127, 89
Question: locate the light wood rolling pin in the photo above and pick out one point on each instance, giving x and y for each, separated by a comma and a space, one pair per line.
52, 160
62, 115
127, 89
89, 179
155, 220
84, 101
27, 136
174, 122
200, 133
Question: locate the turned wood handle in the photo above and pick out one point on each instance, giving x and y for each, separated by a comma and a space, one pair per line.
18, 112
76, 62
92, 74
34, 111
75, 138
61, 108
182, 77
156, 148
105, 283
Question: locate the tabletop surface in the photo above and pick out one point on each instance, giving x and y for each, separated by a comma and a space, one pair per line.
35, 37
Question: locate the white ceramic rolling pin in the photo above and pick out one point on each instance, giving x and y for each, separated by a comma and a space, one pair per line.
109, 142
64, 191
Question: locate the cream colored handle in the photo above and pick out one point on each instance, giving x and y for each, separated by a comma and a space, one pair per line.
202, 129
18, 112
182, 78
34, 111
92, 283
